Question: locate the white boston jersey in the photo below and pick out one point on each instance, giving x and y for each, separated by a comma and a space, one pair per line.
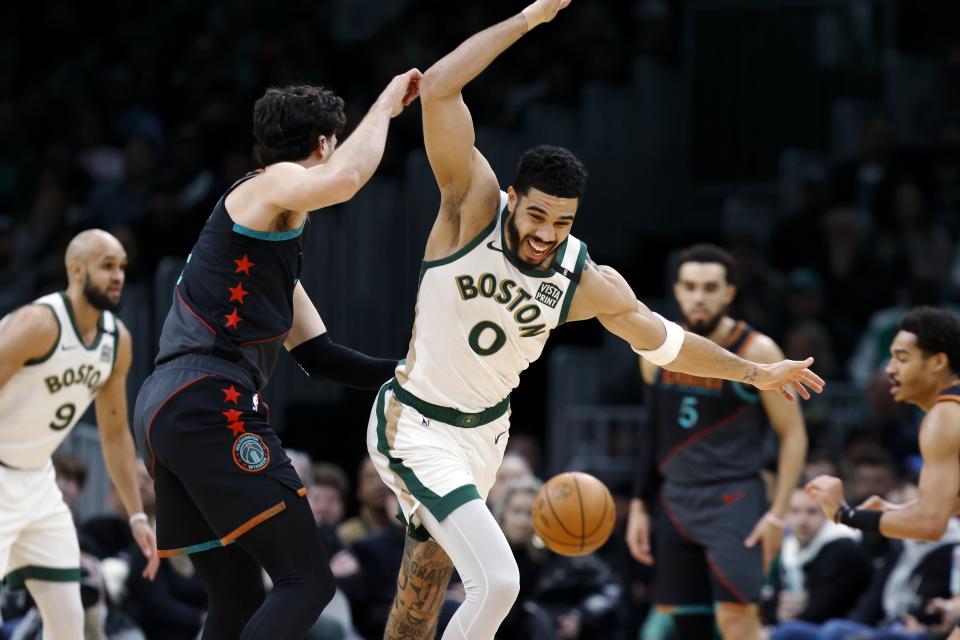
482, 317
45, 399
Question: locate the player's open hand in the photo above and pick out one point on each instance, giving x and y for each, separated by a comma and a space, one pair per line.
402, 91
769, 532
147, 541
828, 491
787, 377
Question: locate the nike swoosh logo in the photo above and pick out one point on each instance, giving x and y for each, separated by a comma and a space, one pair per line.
490, 246
497, 439
65, 347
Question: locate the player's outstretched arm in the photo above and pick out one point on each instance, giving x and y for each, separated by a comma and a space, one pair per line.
291, 187
447, 126
119, 452
605, 295
926, 518
323, 359
29, 334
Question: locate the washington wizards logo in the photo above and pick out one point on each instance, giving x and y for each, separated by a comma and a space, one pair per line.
250, 453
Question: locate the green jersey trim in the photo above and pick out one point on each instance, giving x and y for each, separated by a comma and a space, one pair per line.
56, 342
15, 579
76, 330
574, 282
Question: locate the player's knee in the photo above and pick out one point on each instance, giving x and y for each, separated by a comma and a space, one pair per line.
321, 586
503, 586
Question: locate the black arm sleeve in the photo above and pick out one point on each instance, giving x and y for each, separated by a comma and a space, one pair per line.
647, 479
326, 361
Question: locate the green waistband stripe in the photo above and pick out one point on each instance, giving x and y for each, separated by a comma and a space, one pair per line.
15, 579
447, 414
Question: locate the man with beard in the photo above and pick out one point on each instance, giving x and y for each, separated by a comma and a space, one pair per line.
501, 271
924, 370
57, 355
708, 439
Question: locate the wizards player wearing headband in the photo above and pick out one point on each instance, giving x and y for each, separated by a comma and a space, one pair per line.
227, 493
924, 370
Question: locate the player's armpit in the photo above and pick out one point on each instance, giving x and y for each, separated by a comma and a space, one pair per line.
424, 574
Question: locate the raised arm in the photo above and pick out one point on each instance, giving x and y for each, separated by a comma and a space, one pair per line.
604, 294
291, 187
447, 126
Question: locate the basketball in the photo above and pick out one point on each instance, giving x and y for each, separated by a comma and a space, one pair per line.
574, 514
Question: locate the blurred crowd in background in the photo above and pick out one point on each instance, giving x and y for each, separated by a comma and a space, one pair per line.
135, 118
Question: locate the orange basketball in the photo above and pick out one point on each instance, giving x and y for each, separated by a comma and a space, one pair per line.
574, 514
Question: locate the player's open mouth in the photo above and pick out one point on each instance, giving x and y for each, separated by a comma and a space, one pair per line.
894, 387
537, 249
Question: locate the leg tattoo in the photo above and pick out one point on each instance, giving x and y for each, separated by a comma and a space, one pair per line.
424, 575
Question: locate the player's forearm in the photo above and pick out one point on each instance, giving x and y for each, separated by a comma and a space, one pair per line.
793, 453
704, 358
120, 458
915, 522
361, 153
449, 75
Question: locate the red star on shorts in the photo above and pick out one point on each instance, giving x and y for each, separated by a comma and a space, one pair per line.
232, 395
243, 265
232, 415
236, 427
233, 319
237, 293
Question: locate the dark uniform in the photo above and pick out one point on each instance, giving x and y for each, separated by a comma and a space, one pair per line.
709, 436
200, 423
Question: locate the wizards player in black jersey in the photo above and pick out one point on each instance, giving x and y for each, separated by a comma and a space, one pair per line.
226, 491
708, 438
924, 370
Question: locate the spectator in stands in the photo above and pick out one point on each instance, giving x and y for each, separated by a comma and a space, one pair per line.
71, 477
819, 462
513, 467
576, 597
328, 493
372, 495
875, 473
908, 581
821, 570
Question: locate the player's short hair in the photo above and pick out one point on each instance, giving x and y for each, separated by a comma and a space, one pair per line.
288, 120
709, 253
553, 170
937, 331
330, 475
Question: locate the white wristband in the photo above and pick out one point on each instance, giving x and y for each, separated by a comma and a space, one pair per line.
140, 516
668, 351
